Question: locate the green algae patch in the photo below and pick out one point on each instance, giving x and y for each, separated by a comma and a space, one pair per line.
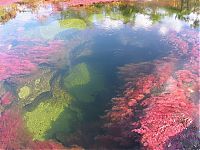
73, 23
84, 82
39, 121
78, 76
53, 115
24, 92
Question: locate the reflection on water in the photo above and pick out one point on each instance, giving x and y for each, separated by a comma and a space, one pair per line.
60, 67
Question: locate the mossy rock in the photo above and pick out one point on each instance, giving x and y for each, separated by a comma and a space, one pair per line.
78, 76
84, 82
29, 88
52, 115
73, 23
40, 120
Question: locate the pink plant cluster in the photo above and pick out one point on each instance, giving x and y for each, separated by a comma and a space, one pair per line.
160, 99
25, 58
7, 99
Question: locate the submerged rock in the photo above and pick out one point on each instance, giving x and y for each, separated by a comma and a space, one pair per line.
78, 76
52, 115
39, 120
84, 82
30, 87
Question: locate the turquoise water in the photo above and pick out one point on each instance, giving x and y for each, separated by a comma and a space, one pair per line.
61, 63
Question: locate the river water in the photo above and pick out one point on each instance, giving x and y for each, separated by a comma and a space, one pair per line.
59, 65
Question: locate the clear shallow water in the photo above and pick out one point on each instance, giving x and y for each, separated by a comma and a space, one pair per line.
58, 65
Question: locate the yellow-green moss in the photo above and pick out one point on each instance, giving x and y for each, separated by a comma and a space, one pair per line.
39, 121
24, 92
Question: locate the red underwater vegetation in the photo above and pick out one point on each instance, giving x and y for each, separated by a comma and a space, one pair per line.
7, 98
160, 99
12, 65
25, 58
165, 115
12, 133
139, 85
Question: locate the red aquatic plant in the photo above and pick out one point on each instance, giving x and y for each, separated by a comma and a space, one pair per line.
7, 98
159, 99
150, 76
12, 132
37, 51
165, 115
26, 57
12, 65
172, 111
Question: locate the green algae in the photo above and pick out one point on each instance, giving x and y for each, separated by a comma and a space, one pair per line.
78, 76
84, 82
53, 115
73, 23
39, 121
24, 92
